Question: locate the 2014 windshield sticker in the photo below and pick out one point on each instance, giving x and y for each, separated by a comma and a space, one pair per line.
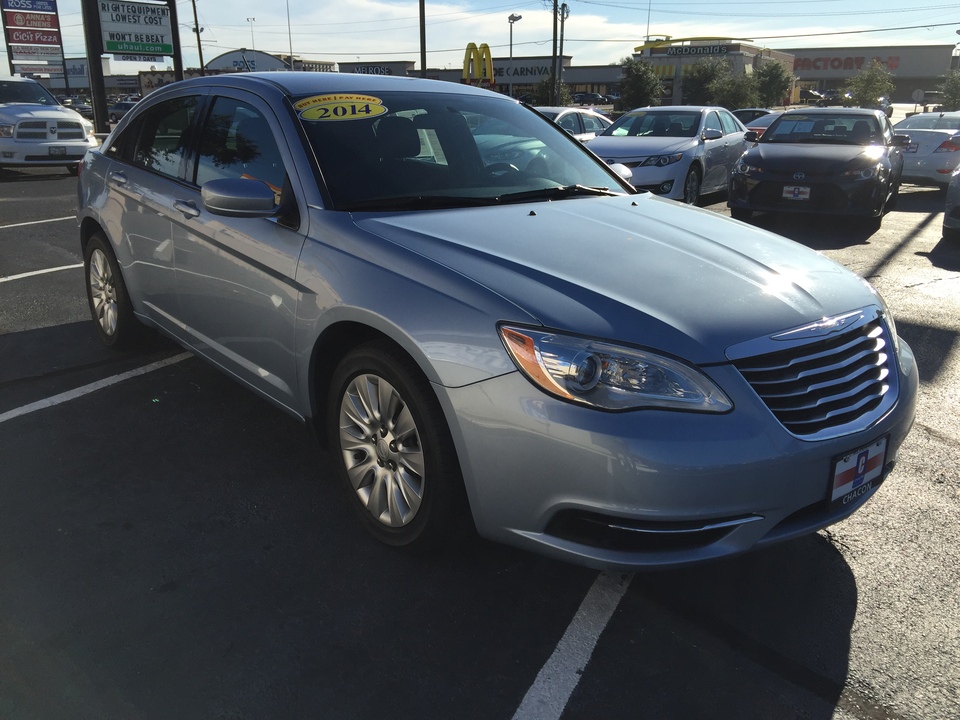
339, 106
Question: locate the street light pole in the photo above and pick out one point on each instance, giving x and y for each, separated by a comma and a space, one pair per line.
512, 19
253, 43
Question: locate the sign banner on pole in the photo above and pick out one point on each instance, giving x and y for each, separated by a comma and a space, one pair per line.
136, 28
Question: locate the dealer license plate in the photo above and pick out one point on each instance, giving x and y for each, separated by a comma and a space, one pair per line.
911, 148
796, 192
58, 150
857, 473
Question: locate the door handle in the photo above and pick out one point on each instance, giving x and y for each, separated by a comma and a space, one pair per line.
187, 207
118, 177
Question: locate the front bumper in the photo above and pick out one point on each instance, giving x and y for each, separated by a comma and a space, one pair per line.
863, 198
650, 488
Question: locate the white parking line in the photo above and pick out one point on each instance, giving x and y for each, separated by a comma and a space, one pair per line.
38, 222
92, 387
39, 272
548, 696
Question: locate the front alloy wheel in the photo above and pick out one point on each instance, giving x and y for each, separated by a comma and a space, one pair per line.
691, 187
396, 459
381, 449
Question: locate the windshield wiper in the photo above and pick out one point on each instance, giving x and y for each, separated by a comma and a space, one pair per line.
556, 193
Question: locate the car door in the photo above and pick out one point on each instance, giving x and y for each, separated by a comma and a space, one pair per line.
592, 126
236, 276
714, 153
141, 184
735, 146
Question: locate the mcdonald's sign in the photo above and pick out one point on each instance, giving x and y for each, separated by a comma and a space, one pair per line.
478, 65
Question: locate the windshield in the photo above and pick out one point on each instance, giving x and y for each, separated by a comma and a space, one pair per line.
838, 129
930, 121
656, 123
419, 150
30, 93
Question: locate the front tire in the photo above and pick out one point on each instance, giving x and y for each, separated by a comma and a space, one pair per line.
395, 455
691, 186
110, 305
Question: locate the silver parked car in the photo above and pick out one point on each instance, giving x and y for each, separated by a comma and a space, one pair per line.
951, 215
542, 353
680, 152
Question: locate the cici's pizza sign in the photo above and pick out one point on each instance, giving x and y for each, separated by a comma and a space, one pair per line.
843, 63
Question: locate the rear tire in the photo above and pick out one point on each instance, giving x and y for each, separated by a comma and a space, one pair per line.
395, 456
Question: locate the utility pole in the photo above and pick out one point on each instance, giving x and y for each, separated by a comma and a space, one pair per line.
197, 29
564, 13
554, 80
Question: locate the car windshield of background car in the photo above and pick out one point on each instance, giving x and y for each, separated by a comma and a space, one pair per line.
418, 151
656, 123
827, 129
29, 93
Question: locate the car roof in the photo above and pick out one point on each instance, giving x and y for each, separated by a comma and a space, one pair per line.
676, 108
304, 83
565, 108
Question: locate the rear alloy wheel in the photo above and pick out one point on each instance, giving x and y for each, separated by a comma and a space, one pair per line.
396, 456
691, 186
107, 296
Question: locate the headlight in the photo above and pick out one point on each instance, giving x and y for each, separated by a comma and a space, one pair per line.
6, 131
87, 128
661, 160
743, 168
610, 377
863, 173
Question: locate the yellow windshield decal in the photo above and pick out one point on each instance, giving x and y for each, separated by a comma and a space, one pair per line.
339, 106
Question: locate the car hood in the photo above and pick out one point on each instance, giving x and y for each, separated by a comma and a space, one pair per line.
811, 158
634, 269
12, 112
612, 149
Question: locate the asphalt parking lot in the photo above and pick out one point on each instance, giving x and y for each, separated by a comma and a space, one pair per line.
170, 546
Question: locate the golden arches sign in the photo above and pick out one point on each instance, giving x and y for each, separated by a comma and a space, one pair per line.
478, 65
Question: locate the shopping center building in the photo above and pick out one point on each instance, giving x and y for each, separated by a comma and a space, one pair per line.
912, 67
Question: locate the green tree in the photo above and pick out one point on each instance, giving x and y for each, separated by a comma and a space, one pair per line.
951, 90
541, 93
870, 84
640, 85
773, 82
733, 90
697, 80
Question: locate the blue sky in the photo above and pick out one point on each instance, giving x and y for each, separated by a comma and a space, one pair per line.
597, 32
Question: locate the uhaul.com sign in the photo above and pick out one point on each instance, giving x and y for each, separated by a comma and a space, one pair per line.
137, 28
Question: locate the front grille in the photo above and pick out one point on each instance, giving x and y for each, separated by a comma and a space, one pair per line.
39, 130
830, 386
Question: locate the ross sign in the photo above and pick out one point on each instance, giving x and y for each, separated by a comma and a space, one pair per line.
43, 6
478, 65
135, 28
21, 36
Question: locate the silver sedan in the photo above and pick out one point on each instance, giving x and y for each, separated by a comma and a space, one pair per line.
679, 152
541, 353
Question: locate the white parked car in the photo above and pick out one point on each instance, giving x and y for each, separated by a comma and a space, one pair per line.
679, 152
934, 150
37, 131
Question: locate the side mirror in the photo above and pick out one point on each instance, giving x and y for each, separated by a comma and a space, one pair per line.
751, 136
238, 197
623, 171
711, 134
